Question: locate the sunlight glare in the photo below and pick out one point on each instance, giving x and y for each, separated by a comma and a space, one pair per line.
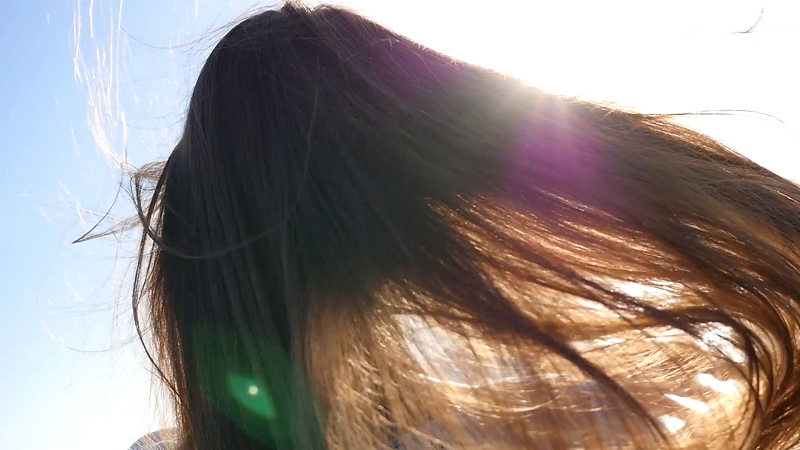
666, 57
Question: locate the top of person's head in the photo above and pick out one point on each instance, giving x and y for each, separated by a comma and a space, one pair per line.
356, 235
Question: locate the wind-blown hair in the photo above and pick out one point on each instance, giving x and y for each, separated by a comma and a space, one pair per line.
358, 240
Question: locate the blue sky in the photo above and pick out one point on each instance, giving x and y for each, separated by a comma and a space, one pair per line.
68, 382
43, 382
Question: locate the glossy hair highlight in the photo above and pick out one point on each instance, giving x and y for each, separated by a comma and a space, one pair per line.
358, 240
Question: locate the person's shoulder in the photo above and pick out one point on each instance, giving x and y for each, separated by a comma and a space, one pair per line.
158, 440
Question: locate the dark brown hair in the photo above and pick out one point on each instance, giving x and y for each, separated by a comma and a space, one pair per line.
357, 237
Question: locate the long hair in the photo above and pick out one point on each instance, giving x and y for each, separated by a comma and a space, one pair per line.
359, 242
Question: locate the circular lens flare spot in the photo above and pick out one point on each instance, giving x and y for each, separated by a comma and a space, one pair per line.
250, 395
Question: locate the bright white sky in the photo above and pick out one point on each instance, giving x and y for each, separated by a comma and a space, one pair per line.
659, 56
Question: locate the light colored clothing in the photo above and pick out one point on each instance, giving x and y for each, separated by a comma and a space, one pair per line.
158, 440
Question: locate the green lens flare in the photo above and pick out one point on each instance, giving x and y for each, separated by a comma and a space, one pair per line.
252, 395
